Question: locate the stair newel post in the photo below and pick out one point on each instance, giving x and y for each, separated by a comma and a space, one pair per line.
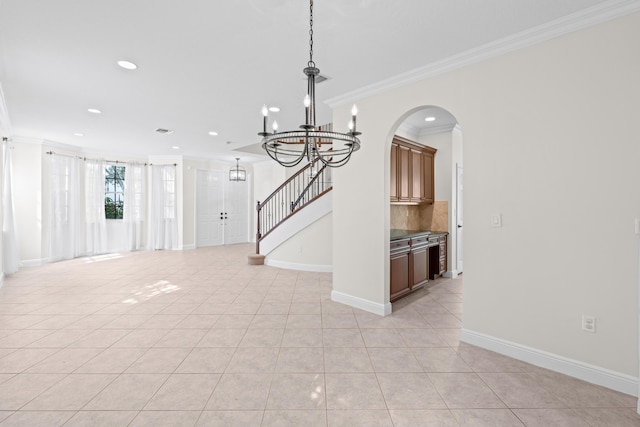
258, 235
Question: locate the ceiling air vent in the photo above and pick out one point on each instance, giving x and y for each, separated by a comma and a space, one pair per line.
320, 78
164, 131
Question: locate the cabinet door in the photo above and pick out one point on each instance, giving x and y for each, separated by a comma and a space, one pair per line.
428, 184
419, 267
417, 176
404, 173
443, 254
393, 174
399, 281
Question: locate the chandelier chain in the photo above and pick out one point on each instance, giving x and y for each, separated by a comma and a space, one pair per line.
311, 63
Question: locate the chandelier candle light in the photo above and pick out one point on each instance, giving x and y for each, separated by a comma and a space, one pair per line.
288, 148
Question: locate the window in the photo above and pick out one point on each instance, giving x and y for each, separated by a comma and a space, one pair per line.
114, 191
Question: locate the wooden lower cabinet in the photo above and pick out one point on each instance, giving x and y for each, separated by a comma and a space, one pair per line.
414, 261
419, 262
409, 265
399, 266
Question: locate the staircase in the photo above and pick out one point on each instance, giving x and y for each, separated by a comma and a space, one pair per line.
306, 186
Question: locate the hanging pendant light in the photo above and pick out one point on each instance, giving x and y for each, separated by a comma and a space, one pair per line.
289, 147
238, 173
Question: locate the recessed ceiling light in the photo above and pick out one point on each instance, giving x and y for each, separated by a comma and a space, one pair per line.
94, 111
175, 147
274, 109
429, 119
127, 65
213, 133
78, 134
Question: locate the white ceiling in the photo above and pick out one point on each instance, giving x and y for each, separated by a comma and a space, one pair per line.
210, 65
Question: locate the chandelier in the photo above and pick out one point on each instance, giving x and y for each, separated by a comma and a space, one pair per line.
238, 173
288, 148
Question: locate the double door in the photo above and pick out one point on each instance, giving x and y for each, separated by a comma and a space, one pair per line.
222, 209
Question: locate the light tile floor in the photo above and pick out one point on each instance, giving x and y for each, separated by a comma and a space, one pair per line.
200, 338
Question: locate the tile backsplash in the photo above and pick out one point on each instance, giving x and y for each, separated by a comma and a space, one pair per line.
433, 217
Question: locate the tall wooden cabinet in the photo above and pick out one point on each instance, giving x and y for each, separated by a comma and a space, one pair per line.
411, 170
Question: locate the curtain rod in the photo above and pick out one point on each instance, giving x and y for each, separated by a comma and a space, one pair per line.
85, 158
110, 161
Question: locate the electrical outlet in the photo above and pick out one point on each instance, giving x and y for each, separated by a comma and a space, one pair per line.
588, 323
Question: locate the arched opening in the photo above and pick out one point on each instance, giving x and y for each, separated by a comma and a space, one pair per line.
425, 196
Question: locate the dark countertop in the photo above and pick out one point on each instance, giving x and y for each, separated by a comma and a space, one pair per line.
396, 234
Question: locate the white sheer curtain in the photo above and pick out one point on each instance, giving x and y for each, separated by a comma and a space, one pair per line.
10, 248
95, 222
164, 226
65, 208
135, 184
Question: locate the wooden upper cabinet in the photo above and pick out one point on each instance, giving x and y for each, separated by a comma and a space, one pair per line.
404, 173
411, 180
417, 176
428, 158
393, 172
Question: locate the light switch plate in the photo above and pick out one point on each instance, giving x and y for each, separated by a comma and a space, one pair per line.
496, 220
637, 224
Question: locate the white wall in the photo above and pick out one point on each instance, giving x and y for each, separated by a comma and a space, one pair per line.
443, 160
551, 143
310, 249
269, 175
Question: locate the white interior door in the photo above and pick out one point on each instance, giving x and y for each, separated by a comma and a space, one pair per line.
209, 208
459, 224
236, 212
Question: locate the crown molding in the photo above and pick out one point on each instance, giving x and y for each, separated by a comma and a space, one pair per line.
5, 123
586, 18
407, 128
437, 129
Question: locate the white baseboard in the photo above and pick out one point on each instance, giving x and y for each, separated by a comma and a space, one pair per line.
573, 368
301, 267
450, 274
34, 262
187, 247
362, 304
1, 280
